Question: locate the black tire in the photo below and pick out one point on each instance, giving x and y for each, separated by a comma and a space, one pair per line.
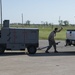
2, 50
73, 44
31, 49
68, 43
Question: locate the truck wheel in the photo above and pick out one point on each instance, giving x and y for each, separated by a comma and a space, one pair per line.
2, 50
31, 50
73, 44
69, 44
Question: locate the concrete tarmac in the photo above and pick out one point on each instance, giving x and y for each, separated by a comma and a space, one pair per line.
41, 63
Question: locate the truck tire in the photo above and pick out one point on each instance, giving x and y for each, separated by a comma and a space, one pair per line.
2, 50
73, 44
68, 42
31, 49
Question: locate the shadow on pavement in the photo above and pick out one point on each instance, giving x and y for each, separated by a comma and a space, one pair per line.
71, 53
68, 53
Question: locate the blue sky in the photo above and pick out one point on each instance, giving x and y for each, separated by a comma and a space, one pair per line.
39, 10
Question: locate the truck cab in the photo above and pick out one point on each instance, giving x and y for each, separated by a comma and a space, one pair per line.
70, 37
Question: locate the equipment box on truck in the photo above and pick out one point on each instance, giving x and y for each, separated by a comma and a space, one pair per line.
18, 38
70, 37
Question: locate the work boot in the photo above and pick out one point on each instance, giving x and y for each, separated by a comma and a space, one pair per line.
55, 51
46, 52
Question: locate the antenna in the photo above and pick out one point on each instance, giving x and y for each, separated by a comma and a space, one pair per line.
59, 20
22, 18
1, 11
